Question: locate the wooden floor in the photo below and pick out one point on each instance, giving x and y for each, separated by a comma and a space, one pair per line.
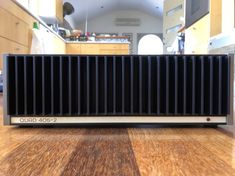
104, 151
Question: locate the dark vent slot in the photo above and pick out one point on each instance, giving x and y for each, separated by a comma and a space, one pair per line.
63, 85
181, 86
20, 85
97, 88
37, 64
55, 82
111, 93
83, 85
225, 85
207, 85
126, 62
11, 80
140, 85
105, 85
149, 85
70, 86
118, 85
74, 90
52, 86
171, 85
77, 70
153, 83
101, 84
193, 84
163, 86
144, 85
158, 85
136, 88
132, 84
28, 80
46, 82
198, 76
188, 71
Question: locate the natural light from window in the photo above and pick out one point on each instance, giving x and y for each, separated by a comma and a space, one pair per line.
150, 44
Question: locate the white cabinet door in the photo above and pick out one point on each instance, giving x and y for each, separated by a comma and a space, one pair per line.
50, 10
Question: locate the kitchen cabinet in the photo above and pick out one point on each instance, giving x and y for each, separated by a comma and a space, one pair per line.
58, 45
89, 48
59, 10
97, 48
6, 26
13, 28
114, 49
51, 10
73, 49
16, 31
197, 36
7, 46
14, 35
20, 31
18, 49
215, 17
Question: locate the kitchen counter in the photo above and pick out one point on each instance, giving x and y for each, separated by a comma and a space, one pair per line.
104, 48
95, 42
223, 40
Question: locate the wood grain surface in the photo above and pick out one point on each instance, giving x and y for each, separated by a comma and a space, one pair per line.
103, 152
182, 152
115, 151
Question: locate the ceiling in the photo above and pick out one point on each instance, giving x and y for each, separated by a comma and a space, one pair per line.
101, 7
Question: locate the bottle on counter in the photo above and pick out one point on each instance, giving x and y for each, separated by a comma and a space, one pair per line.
35, 25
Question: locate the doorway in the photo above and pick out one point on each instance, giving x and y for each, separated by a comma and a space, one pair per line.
150, 44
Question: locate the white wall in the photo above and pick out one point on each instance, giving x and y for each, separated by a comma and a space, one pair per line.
227, 15
172, 20
105, 23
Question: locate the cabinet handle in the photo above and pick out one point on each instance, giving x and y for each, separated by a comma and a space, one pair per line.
17, 49
17, 23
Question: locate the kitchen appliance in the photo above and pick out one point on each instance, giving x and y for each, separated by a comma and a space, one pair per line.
118, 89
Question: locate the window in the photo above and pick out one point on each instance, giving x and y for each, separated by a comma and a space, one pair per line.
172, 11
174, 28
150, 44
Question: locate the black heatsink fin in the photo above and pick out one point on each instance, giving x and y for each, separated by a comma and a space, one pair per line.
130, 85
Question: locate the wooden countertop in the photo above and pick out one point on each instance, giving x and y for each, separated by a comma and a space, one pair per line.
95, 42
112, 37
